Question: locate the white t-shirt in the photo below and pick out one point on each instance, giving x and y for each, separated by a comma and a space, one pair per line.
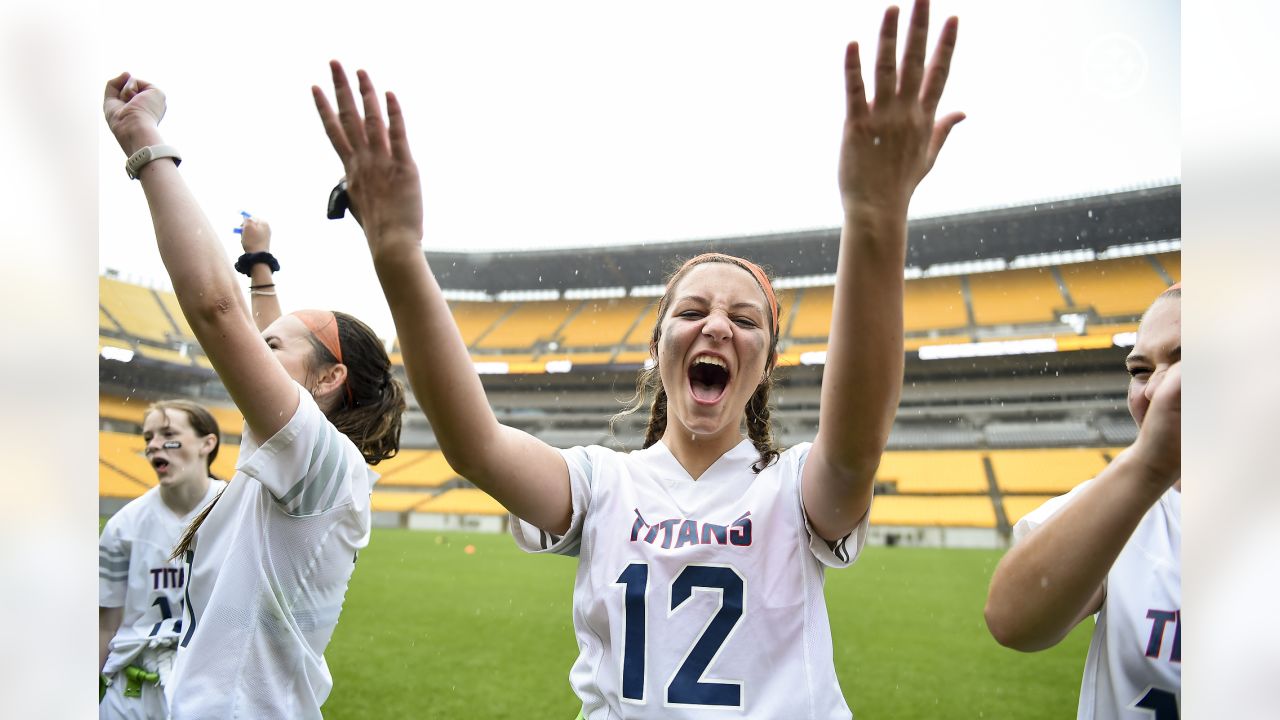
697, 599
136, 574
1134, 667
268, 573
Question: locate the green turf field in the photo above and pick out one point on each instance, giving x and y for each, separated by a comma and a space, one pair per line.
429, 631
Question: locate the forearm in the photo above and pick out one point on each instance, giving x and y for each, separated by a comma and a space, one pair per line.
264, 302
1052, 579
197, 265
862, 380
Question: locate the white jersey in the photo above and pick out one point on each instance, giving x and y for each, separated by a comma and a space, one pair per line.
268, 573
1134, 667
136, 574
697, 599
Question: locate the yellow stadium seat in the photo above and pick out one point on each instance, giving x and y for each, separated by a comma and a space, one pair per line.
530, 322
123, 453
1015, 296
136, 309
475, 318
463, 501
113, 483
1172, 264
934, 471
933, 304
1120, 286
643, 330
949, 511
415, 468
1017, 506
396, 501
170, 303
602, 323
1054, 470
812, 318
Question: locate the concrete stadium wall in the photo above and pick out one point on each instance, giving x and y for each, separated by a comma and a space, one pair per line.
934, 536
469, 523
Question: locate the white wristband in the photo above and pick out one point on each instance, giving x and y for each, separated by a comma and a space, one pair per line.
138, 160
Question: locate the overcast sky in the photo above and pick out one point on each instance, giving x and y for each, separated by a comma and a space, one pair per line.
560, 124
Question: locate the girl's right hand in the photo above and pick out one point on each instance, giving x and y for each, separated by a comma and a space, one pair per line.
382, 178
133, 109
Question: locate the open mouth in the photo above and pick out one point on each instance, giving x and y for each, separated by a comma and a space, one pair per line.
159, 464
708, 378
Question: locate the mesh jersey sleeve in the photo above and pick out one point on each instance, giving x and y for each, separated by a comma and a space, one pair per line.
536, 540
842, 552
1041, 515
113, 565
309, 467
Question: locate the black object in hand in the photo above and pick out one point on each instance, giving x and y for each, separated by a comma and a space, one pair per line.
339, 201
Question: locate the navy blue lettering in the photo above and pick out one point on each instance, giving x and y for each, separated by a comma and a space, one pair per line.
688, 533
639, 523
740, 531
1159, 620
720, 532
666, 531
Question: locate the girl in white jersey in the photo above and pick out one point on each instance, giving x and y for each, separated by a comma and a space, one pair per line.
269, 561
1113, 546
699, 586
140, 587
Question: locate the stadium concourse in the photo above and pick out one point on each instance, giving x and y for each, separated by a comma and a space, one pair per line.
1017, 323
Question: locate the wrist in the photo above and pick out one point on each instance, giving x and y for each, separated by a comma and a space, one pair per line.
1152, 475
133, 140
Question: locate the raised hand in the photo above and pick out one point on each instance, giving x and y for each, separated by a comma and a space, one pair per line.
382, 178
1159, 444
255, 235
891, 143
133, 109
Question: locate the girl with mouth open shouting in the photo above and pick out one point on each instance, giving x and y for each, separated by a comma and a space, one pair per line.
701, 556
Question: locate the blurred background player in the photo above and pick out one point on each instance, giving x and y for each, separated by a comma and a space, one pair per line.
269, 562
1113, 546
699, 585
140, 589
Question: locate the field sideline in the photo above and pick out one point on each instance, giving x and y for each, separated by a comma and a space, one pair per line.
429, 631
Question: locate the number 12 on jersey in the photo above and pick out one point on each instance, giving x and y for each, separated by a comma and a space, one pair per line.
686, 686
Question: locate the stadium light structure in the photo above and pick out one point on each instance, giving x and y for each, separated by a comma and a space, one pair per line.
1143, 248
966, 267
988, 349
594, 293
115, 353
467, 295
1057, 257
559, 366
648, 290
805, 281
814, 357
1124, 339
491, 368
528, 295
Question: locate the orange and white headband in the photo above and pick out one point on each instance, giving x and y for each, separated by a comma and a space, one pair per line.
761, 278
323, 324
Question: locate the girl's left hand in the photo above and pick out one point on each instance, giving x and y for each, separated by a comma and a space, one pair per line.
891, 143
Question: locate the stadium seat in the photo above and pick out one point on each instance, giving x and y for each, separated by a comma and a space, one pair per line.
812, 317
1017, 506
602, 323
934, 304
1117, 287
1172, 264
916, 510
1052, 471
115, 484
396, 501
462, 501
528, 323
475, 318
1010, 297
136, 309
934, 471
415, 469
122, 453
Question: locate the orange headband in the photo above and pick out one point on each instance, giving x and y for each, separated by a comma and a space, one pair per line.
754, 269
323, 324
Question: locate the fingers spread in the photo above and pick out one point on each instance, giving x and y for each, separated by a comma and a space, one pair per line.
332, 127
399, 138
886, 61
941, 129
936, 79
375, 128
854, 91
913, 56
348, 115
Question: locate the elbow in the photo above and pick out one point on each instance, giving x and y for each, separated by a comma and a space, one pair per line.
210, 309
1009, 631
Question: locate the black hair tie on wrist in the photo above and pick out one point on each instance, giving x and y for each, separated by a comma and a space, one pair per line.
246, 262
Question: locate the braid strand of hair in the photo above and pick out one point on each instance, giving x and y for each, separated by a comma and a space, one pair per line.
760, 427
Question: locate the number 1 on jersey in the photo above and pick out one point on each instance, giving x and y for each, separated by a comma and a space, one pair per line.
685, 687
